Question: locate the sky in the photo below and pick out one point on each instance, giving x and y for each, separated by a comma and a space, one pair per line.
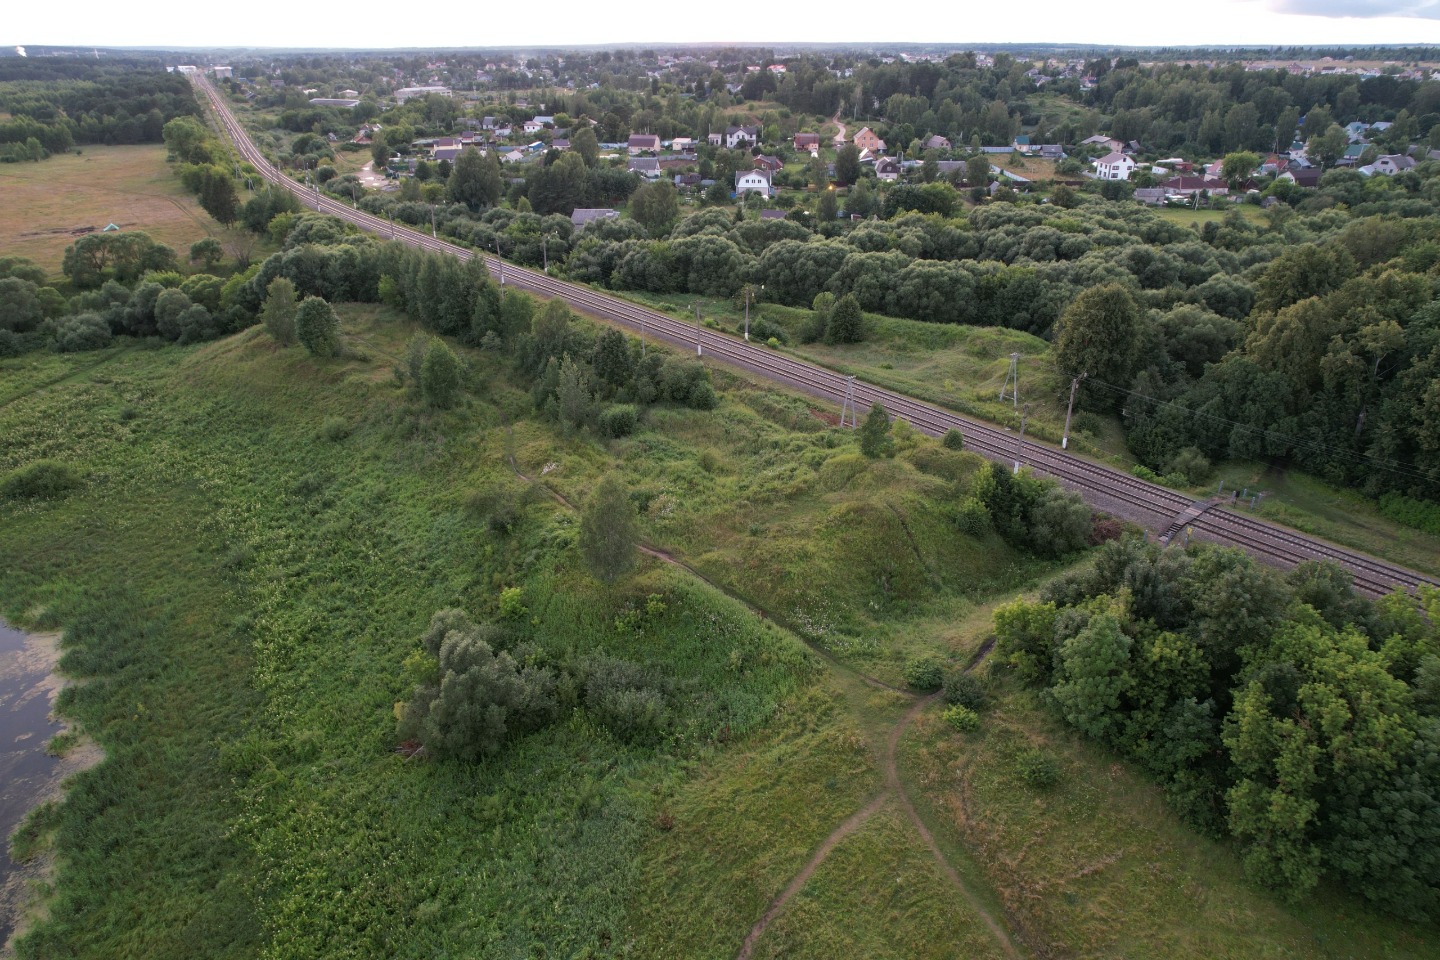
364, 24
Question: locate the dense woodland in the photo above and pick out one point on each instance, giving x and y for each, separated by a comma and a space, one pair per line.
55, 105
1281, 711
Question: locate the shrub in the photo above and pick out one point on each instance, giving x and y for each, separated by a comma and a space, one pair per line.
703, 396
1419, 514
773, 344
334, 429
618, 420
1104, 530
440, 376
953, 439
88, 331
512, 603
41, 480
1037, 769
962, 718
925, 673
972, 517
966, 690
622, 698
1190, 464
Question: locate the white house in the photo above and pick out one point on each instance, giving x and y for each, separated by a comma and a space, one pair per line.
887, 168
752, 180
1114, 166
1389, 165
741, 137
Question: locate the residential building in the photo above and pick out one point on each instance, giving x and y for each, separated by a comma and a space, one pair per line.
741, 138
937, 142
640, 142
808, 142
333, 102
887, 168
1114, 166
410, 93
757, 181
648, 167
867, 139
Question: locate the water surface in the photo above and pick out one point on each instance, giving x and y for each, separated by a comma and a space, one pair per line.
27, 773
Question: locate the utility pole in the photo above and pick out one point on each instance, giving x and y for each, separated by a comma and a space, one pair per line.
1065, 439
749, 293
699, 351
433, 234
1020, 441
1013, 377
502, 262
849, 404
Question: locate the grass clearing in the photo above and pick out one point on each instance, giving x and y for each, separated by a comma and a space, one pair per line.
1099, 866
241, 585
48, 205
1187, 217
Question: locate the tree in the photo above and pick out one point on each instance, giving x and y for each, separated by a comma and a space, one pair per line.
440, 375
470, 181
847, 164
607, 532
574, 398
847, 322
655, 207
828, 208
977, 171
278, 314
317, 327
1325, 148
875, 439
584, 143
1239, 165
1100, 335
475, 698
207, 252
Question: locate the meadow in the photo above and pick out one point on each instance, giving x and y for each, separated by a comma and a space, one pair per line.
48, 204
259, 540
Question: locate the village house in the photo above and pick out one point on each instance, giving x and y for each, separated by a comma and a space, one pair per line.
887, 168
640, 142
756, 181
1109, 144
1189, 186
741, 138
765, 162
808, 142
1389, 165
867, 139
1114, 166
648, 167
937, 142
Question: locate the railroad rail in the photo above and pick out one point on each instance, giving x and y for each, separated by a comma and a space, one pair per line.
1103, 487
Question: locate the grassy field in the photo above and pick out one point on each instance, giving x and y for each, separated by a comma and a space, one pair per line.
963, 369
1187, 217
1097, 866
48, 204
261, 538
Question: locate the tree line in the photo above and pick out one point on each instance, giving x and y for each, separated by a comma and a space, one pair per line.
1282, 711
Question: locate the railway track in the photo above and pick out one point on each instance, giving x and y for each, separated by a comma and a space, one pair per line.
1105, 488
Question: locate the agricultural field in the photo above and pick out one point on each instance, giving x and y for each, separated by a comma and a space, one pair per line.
50, 203
259, 539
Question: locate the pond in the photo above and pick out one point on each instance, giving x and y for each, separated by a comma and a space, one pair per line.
28, 774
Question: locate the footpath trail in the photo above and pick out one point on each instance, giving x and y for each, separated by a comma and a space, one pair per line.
894, 790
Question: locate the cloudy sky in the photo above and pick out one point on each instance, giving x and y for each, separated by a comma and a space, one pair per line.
569, 22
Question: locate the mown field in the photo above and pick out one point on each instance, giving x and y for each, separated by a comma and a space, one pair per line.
132, 187
259, 541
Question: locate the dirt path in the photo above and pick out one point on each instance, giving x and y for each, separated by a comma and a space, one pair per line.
839, 137
894, 787
894, 790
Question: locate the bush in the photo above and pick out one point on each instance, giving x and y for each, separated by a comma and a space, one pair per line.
966, 690
317, 328
925, 673
88, 331
972, 517
618, 420
41, 480
1037, 769
334, 429
953, 439
962, 718
703, 396
1190, 464
1419, 514
623, 699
